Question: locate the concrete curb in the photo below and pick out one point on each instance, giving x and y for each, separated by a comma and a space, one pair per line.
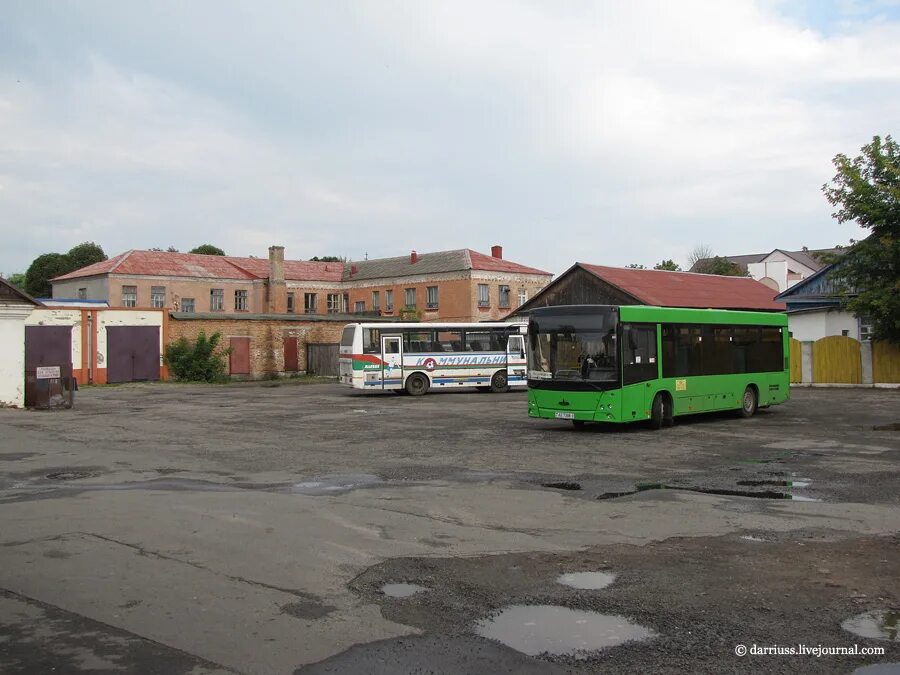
836, 385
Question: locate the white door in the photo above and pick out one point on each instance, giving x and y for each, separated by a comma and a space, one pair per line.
515, 359
392, 356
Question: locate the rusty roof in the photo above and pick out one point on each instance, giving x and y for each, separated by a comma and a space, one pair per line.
688, 289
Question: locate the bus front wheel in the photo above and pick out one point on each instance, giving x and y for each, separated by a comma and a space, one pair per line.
749, 402
499, 383
657, 413
417, 384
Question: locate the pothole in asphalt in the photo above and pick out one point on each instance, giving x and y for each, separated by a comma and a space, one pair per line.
893, 426
757, 494
559, 631
562, 485
781, 483
589, 581
68, 475
402, 590
878, 624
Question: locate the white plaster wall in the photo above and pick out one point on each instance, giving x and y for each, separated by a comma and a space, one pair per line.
837, 321
815, 325
61, 317
778, 256
809, 326
12, 346
776, 270
116, 317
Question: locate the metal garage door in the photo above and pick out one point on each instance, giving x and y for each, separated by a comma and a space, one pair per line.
291, 362
239, 359
132, 353
46, 346
322, 359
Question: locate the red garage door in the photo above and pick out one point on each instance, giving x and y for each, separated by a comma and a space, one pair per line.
132, 353
239, 359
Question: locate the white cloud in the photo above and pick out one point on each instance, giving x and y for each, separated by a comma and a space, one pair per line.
610, 132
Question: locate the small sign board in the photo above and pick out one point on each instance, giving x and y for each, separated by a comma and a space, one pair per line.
47, 372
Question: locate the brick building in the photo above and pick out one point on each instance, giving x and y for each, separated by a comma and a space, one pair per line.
458, 285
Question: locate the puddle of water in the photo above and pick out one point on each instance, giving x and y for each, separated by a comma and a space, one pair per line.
402, 590
750, 537
559, 631
589, 581
879, 624
803, 498
563, 485
334, 483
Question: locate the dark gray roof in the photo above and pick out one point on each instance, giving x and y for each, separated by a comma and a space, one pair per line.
441, 262
803, 257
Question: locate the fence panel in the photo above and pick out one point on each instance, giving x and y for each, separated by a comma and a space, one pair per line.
322, 359
796, 364
885, 362
837, 360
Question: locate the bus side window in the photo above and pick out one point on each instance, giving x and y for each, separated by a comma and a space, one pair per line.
639, 353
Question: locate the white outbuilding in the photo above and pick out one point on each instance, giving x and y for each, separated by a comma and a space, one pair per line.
15, 307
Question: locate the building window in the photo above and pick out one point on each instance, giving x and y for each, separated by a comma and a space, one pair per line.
376, 300
240, 301
290, 303
359, 306
187, 305
523, 296
845, 333
389, 301
217, 300
82, 294
410, 298
345, 307
865, 329
334, 303
309, 303
484, 295
158, 296
504, 296
431, 297
129, 296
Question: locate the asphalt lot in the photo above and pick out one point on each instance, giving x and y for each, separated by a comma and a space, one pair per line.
250, 528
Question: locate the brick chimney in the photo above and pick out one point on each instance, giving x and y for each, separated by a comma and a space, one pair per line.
497, 252
276, 288
413, 258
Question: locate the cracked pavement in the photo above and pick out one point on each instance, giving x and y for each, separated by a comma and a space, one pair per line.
247, 528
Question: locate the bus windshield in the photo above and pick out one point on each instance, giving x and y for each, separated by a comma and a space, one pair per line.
579, 346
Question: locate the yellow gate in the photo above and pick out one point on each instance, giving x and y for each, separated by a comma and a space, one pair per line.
837, 360
796, 364
885, 362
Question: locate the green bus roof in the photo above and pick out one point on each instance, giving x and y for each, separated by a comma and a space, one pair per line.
650, 314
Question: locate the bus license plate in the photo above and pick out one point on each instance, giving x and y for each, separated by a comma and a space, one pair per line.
565, 416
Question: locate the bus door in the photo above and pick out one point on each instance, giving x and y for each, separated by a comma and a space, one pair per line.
392, 361
515, 359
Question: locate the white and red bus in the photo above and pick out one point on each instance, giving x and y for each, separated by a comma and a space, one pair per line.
417, 357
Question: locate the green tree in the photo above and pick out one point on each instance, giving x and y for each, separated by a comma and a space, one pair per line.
718, 265
86, 253
668, 265
328, 258
635, 266
207, 249
17, 279
198, 361
44, 268
866, 190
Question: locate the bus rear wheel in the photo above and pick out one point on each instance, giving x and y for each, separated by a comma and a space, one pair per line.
416, 384
749, 402
499, 383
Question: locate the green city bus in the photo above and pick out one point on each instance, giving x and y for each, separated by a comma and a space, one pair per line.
603, 363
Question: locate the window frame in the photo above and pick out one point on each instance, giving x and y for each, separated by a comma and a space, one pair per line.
217, 293
129, 297
484, 290
333, 303
429, 302
406, 295
193, 308
389, 300
241, 300
290, 307
310, 308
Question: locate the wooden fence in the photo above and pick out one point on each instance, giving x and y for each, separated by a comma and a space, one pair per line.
839, 359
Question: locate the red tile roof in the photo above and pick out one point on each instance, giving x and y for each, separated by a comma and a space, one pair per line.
480, 261
164, 263
689, 289
294, 270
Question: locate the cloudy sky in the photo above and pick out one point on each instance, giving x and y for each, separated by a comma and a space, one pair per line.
606, 132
